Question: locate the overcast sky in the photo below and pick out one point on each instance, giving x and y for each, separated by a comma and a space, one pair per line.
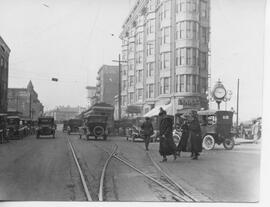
71, 39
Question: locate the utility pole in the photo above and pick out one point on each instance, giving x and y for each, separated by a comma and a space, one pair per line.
30, 106
237, 105
119, 84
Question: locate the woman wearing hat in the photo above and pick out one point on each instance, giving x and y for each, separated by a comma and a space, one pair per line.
166, 143
195, 136
182, 146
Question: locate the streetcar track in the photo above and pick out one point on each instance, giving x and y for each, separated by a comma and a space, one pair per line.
86, 190
178, 195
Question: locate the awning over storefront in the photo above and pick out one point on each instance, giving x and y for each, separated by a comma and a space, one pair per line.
155, 111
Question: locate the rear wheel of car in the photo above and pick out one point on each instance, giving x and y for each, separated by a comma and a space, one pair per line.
208, 142
98, 131
228, 143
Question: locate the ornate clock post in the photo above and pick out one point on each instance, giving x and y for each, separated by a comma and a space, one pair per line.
219, 94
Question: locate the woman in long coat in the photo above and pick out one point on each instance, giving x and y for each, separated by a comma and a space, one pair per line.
195, 136
182, 146
166, 143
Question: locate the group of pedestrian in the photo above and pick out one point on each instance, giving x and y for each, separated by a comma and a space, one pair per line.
190, 139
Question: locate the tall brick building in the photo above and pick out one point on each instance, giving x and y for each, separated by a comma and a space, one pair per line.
107, 84
4, 62
165, 44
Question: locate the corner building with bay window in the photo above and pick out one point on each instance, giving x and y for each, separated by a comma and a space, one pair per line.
165, 44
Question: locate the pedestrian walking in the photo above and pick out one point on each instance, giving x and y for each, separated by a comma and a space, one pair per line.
182, 146
195, 136
255, 131
148, 130
166, 143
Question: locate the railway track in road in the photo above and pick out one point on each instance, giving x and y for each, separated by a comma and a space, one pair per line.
178, 194
159, 177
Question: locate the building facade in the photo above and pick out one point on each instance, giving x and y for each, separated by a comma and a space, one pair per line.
62, 113
107, 84
25, 101
4, 63
91, 95
166, 46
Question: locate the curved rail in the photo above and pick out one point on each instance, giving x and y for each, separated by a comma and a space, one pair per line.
101, 183
88, 196
177, 196
171, 181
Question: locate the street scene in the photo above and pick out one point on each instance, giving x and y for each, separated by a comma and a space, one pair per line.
131, 101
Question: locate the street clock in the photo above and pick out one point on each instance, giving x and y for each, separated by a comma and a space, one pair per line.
219, 92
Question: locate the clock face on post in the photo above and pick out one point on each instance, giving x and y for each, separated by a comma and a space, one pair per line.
220, 93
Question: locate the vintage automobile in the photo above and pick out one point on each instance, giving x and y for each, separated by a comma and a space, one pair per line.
15, 129
94, 125
216, 127
46, 127
3, 130
73, 125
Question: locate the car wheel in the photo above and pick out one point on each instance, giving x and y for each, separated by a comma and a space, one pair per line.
228, 143
208, 142
98, 131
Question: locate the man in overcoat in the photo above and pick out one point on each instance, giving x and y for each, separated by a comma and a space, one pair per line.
182, 146
148, 130
166, 143
195, 136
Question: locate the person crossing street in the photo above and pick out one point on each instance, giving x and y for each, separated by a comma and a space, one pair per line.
148, 130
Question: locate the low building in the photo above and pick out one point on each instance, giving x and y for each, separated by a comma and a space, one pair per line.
4, 63
62, 113
25, 101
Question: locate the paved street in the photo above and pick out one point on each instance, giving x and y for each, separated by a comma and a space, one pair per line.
44, 169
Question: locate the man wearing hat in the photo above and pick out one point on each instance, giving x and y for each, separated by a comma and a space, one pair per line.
148, 130
166, 143
182, 146
195, 136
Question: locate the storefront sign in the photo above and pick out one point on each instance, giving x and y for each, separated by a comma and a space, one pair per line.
195, 101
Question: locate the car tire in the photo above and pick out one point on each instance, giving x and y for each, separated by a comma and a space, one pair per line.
98, 128
228, 143
208, 142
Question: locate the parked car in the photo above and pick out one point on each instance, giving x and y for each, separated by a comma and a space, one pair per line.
73, 125
94, 125
15, 129
216, 127
46, 127
3, 128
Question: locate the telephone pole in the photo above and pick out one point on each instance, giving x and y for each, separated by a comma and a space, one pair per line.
237, 105
119, 84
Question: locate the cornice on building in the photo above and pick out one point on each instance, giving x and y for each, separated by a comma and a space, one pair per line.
132, 16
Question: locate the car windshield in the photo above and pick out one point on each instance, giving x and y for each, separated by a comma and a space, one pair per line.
45, 121
12, 121
75, 122
99, 119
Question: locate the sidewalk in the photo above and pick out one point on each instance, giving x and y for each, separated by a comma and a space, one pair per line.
239, 141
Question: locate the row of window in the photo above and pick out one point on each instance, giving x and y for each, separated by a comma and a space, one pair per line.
183, 83
184, 30
183, 57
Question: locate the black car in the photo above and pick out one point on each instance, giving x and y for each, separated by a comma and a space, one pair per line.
15, 129
96, 126
46, 127
73, 125
3, 130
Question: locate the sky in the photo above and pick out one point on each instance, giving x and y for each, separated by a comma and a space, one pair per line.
72, 39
